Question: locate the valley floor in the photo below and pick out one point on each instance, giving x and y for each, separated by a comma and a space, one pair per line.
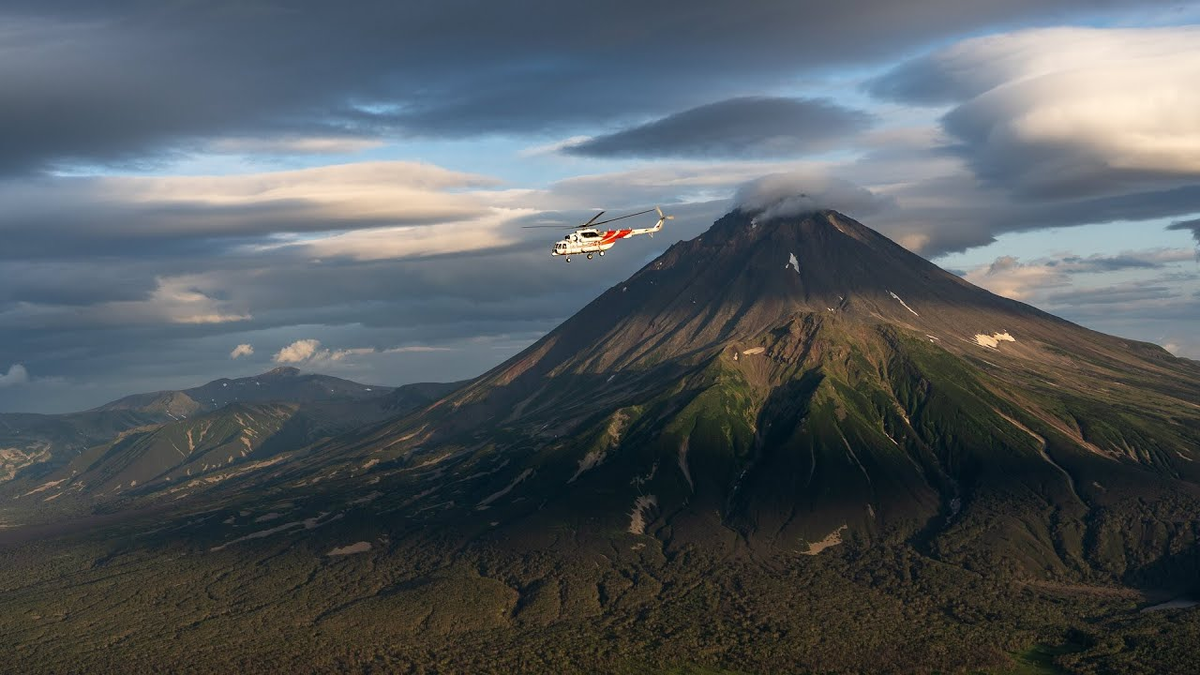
149, 604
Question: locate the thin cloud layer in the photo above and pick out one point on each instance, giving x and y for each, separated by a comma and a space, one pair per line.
789, 194
1056, 282
751, 126
310, 352
181, 215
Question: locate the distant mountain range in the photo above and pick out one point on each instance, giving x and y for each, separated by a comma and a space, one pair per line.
786, 445
79, 459
280, 384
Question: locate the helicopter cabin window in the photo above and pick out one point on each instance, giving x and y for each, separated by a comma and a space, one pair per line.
589, 235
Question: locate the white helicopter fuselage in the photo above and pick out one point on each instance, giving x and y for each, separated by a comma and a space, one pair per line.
591, 240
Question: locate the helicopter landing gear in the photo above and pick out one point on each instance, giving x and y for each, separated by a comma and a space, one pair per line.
589, 256
568, 258
601, 254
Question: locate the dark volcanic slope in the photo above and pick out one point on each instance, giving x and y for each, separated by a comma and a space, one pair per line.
798, 382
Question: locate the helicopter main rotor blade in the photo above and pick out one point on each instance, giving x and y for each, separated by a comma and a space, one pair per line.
591, 222
639, 213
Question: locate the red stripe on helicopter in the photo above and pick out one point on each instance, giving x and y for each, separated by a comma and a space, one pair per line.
612, 236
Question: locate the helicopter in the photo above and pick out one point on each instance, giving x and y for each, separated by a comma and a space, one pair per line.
587, 240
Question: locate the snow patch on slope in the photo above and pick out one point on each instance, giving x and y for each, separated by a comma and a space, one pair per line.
591, 460
903, 303
366, 499
44, 487
1045, 455
832, 539
793, 263
993, 341
308, 524
360, 547
683, 464
637, 518
596, 456
497, 495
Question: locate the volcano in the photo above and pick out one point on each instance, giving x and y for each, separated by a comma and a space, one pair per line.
788, 444
791, 382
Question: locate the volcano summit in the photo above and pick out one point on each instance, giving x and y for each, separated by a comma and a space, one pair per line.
839, 455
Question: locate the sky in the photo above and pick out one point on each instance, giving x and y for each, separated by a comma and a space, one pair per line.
193, 190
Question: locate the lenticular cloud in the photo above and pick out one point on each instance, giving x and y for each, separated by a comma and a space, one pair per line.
1067, 111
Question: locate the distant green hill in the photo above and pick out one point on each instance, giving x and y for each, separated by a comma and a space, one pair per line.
150, 444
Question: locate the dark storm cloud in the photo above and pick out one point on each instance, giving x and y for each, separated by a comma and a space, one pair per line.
127, 81
752, 126
77, 283
1192, 225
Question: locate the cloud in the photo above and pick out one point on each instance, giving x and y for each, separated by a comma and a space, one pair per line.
1114, 295
16, 375
487, 234
179, 215
241, 350
1067, 111
1007, 276
787, 194
1152, 259
555, 147
185, 299
309, 351
82, 89
750, 126
297, 352
292, 145
1193, 226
